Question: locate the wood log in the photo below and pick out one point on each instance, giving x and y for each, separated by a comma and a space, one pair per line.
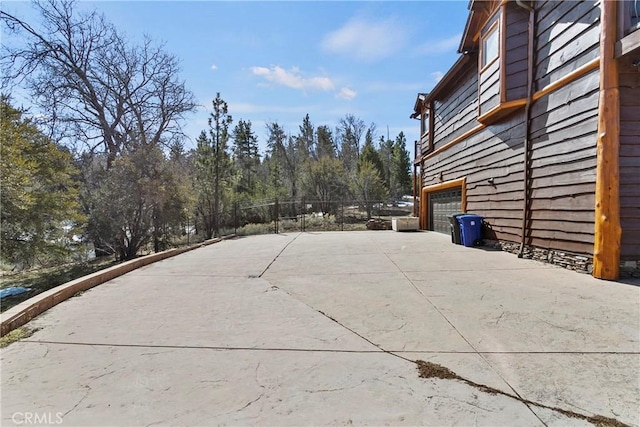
606, 249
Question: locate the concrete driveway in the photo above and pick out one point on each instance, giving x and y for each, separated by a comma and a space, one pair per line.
323, 329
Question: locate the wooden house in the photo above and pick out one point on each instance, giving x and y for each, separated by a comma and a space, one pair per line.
536, 127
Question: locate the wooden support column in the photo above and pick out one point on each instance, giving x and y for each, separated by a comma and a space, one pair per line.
415, 190
606, 250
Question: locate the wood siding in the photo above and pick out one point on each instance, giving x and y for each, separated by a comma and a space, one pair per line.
562, 131
567, 37
563, 134
629, 159
456, 111
490, 87
494, 152
516, 52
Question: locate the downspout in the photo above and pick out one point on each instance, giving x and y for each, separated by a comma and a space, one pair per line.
527, 115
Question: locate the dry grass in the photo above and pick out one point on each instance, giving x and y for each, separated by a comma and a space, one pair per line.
43, 279
16, 335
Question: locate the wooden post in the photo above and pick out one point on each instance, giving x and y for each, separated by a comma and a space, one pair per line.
415, 189
424, 224
606, 248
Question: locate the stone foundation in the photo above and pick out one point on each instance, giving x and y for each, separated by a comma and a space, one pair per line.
630, 269
577, 262
572, 261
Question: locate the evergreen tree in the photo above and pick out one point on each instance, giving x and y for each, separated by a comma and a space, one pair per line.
278, 161
213, 167
401, 168
246, 156
325, 146
287, 156
371, 155
306, 139
386, 153
39, 197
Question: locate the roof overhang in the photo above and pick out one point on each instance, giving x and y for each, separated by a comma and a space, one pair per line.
451, 76
419, 105
479, 11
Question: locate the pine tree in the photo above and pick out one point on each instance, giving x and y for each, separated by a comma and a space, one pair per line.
371, 155
213, 167
401, 168
306, 139
386, 153
246, 156
325, 146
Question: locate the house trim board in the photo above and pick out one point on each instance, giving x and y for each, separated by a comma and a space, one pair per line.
424, 198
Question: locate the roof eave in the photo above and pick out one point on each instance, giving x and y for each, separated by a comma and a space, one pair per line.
453, 72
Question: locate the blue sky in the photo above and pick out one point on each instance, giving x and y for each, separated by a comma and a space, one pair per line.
277, 61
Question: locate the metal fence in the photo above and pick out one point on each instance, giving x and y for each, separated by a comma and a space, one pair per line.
299, 215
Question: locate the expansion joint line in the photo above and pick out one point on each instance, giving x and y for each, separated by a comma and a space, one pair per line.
457, 331
279, 253
597, 420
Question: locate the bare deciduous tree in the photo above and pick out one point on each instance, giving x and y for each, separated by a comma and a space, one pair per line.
94, 86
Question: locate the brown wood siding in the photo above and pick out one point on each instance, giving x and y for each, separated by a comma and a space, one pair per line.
563, 135
490, 87
494, 152
629, 159
516, 53
567, 37
456, 112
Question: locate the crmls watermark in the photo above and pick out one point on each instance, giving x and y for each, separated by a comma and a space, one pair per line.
37, 418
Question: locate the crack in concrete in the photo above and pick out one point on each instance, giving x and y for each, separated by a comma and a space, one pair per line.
446, 319
88, 391
245, 406
433, 370
330, 390
103, 375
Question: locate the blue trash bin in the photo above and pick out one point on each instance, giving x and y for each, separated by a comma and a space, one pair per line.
470, 229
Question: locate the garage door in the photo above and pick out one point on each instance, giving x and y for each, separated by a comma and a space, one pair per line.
441, 205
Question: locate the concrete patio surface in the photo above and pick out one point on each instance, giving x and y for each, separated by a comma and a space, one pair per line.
323, 329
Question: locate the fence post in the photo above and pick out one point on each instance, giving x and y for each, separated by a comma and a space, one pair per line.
342, 219
303, 213
235, 218
277, 211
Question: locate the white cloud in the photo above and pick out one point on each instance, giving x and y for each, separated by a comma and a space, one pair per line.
293, 78
368, 41
435, 47
437, 75
214, 67
346, 93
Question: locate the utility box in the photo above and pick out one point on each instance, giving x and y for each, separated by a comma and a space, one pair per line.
455, 228
405, 223
470, 229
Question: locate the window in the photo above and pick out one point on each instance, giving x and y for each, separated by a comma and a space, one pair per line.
490, 46
424, 122
628, 27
